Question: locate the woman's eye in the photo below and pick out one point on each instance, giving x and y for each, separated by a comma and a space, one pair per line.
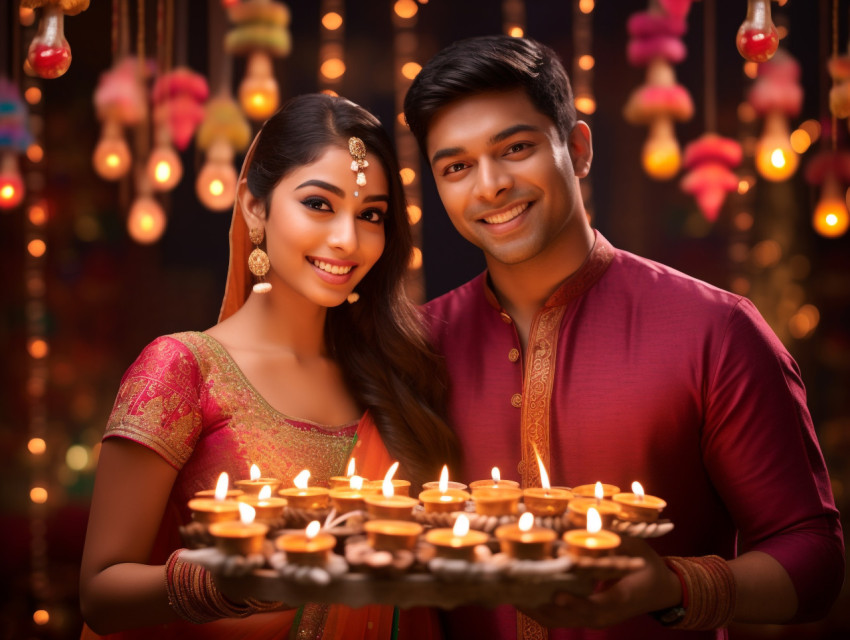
317, 203
373, 215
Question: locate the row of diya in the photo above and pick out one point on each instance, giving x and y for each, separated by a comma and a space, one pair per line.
237, 519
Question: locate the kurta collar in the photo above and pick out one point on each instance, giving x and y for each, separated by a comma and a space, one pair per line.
596, 263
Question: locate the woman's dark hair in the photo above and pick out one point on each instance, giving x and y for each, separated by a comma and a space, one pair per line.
379, 342
489, 64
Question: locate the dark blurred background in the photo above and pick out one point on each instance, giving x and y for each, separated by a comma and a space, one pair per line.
105, 296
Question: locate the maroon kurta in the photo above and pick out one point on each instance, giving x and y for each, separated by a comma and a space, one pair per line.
634, 371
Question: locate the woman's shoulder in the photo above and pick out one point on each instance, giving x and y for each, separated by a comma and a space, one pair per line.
177, 352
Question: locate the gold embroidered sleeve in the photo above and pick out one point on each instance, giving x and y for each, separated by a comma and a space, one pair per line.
158, 403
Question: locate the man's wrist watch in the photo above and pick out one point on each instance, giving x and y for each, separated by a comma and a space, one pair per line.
670, 616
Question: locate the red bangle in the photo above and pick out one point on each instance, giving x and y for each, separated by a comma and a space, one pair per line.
675, 569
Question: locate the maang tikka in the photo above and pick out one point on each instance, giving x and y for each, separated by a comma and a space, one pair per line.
358, 160
258, 261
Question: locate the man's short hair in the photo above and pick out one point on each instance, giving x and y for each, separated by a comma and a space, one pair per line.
487, 64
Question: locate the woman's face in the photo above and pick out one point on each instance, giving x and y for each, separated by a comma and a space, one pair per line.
323, 232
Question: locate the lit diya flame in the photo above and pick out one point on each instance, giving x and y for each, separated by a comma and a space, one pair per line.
247, 513
221, 486
594, 522
265, 493
387, 487
598, 492
356, 483
255, 472
350, 470
637, 489
496, 475
444, 479
312, 529
544, 477
301, 479
526, 521
461, 527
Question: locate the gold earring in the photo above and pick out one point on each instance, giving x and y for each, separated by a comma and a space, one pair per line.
353, 297
258, 261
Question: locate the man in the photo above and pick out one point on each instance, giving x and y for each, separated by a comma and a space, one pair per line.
616, 369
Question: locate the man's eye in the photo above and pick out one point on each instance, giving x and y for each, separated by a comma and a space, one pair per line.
519, 146
454, 168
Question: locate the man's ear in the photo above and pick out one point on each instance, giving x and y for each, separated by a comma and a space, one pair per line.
581, 148
253, 209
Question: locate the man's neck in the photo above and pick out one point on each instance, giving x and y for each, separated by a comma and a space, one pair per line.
523, 288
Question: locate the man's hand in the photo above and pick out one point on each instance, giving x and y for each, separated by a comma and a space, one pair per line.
650, 588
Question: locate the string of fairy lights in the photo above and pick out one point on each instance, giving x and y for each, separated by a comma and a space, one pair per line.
149, 111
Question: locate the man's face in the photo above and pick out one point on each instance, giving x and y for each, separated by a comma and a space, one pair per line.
505, 177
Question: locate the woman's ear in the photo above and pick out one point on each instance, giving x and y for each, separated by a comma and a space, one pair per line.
581, 149
253, 209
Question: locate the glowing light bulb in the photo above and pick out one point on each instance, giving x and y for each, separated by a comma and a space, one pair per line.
775, 158
111, 158
216, 182
757, 38
830, 218
661, 156
11, 184
164, 168
258, 93
146, 221
49, 54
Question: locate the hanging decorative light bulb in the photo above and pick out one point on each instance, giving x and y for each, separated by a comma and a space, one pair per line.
223, 132
164, 167
11, 184
259, 32
830, 169
777, 95
49, 54
757, 38
111, 158
14, 139
216, 182
146, 221
655, 42
119, 101
775, 159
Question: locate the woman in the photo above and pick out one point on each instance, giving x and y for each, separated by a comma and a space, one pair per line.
286, 381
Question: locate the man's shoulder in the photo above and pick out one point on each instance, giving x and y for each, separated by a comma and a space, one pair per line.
458, 300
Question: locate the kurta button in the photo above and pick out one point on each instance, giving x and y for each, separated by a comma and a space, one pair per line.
513, 355
505, 318
516, 400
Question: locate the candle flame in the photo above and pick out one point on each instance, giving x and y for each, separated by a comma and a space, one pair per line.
594, 522
356, 482
444, 479
221, 486
247, 513
387, 487
544, 477
526, 521
637, 489
461, 527
496, 475
301, 479
265, 493
312, 529
255, 472
350, 471
598, 491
